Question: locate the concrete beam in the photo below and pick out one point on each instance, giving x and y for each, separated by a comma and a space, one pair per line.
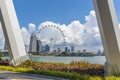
12, 33
110, 34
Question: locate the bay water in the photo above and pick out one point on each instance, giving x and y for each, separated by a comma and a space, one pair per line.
67, 60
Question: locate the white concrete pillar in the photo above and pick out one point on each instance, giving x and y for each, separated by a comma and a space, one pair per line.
12, 33
110, 34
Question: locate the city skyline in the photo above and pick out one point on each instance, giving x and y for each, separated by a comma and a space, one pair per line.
78, 21
36, 45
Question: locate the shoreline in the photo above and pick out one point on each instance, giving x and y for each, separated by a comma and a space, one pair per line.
60, 56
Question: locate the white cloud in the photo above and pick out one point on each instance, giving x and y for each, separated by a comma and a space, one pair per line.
32, 27
71, 32
85, 36
119, 25
48, 33
91, 19
76, 29
26, 35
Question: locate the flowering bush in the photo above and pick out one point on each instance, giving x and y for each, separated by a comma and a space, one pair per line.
80, 67
62, 74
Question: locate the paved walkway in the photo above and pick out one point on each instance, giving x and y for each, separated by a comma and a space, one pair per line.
7, 75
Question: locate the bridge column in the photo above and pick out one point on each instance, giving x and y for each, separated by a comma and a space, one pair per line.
12, 33
110, 34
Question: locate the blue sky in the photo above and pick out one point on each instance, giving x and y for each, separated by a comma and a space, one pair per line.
77, 15
59, 11
117, 8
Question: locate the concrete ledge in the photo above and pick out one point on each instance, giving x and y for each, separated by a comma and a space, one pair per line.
112, 69
19, 60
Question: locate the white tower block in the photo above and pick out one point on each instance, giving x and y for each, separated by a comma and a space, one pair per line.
110, 34
12, 33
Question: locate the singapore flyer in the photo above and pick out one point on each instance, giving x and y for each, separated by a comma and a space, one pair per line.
48, 34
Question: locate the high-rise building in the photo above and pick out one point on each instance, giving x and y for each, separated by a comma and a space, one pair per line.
59, 50
47, 48
35, 43
51, 45
84, 51
72, 49
99, 52
38, 45
66, 49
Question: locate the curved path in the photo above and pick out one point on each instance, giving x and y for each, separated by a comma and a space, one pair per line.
7, 75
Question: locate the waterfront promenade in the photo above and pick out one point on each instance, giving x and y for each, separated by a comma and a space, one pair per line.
7, 75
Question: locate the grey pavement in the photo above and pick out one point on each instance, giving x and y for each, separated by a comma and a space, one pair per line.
7, 75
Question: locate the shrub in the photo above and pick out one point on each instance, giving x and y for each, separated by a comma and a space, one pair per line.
96, 78
80, 67
23, 70
112, 78
8, 68
71, 75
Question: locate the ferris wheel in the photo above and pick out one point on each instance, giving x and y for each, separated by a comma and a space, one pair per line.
59, 30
